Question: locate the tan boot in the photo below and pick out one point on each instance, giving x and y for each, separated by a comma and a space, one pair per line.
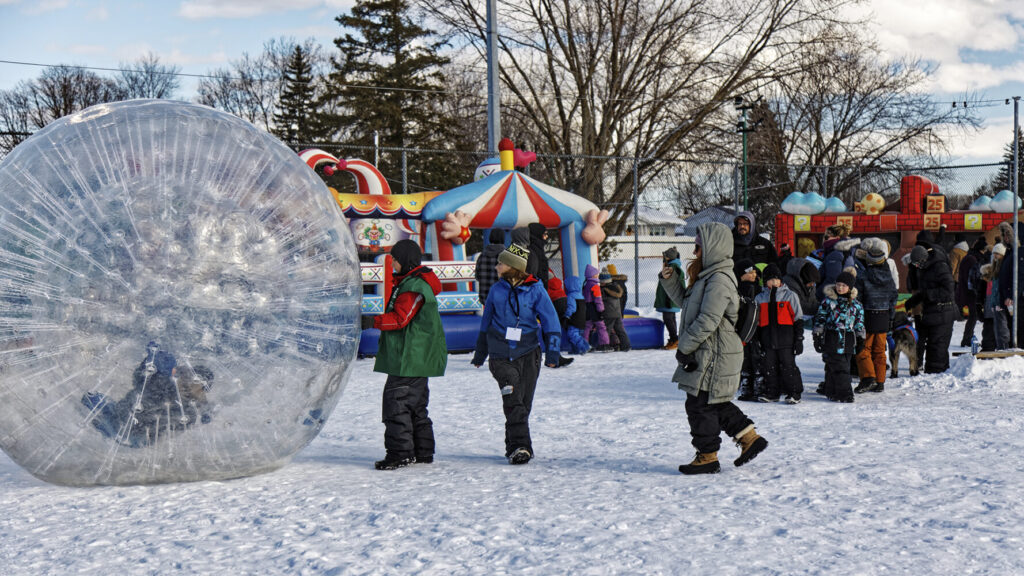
703, 463
750, 445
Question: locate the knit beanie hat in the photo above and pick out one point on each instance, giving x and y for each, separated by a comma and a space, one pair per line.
604, 278
670, 254
772, 271
919, 255
999, 249
745, 265
613, 270
408, 254
846, 278
874, 250
515, 256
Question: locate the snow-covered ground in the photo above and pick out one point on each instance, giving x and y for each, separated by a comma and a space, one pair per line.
925, 478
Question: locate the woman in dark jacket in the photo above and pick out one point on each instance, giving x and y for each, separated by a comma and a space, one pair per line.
967, 283
934, 291
802, 278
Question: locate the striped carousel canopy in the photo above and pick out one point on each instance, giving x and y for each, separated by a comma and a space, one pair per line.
510, 199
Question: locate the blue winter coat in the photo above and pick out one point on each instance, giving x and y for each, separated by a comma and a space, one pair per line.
509, 307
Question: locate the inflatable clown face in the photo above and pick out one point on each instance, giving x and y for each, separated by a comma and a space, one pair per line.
873, 203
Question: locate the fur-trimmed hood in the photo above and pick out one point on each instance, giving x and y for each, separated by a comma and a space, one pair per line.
830, 291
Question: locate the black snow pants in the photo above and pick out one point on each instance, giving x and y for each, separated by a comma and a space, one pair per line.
517, 380
936, 352
408, 431
781, 374
708, 421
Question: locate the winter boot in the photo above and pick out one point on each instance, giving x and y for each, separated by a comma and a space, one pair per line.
746, 388
750, 445
520, 456
703, 463
392, 463
866, 385
672, 344
878, 387
424, 459
564, 361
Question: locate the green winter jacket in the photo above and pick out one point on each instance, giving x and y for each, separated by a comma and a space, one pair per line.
710, 307
419, 349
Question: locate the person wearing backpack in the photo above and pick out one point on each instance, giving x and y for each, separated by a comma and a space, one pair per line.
781, 335
877, 293
709, 351
968, 281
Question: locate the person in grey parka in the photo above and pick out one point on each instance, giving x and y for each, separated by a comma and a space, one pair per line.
710, 353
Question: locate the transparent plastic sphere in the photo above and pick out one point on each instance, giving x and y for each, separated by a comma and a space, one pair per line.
179, 298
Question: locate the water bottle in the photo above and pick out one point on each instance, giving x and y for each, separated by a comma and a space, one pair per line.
974, 345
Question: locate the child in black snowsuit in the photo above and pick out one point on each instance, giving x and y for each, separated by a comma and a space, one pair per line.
781, 334
839, 335
751, 379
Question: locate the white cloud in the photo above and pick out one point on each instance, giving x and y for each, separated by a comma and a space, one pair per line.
85, 49
99, 13
202, 9
976, 43
43, 6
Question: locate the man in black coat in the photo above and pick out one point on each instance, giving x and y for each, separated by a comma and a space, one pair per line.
935, 292
967, 285
747, 244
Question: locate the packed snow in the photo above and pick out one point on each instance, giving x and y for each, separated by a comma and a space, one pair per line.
924, 478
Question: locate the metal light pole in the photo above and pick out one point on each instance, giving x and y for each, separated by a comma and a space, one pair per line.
493, 94
742, 128
1016, 209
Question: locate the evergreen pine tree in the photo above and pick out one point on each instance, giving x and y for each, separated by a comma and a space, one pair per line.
1003, 180
295, 115
386, 80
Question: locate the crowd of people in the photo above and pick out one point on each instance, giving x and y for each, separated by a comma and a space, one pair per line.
845, 292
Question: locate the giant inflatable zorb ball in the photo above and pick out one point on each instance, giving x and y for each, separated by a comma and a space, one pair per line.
179, 298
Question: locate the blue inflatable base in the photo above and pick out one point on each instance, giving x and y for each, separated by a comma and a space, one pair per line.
460, 332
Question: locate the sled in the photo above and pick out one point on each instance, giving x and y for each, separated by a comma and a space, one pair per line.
993, 354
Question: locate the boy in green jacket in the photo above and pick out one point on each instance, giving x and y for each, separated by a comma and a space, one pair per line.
411, 349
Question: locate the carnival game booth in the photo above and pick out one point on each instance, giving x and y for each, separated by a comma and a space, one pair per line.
440, 222
804, 218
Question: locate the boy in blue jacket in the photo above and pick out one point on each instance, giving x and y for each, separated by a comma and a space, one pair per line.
510, 336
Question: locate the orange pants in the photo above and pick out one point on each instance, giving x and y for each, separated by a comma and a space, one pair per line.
872, 359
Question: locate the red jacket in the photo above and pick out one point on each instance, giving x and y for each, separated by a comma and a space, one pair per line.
407, 304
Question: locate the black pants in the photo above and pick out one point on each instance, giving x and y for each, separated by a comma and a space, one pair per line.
670, 324
936, 339
708, 421
970, 324
781, 373
517, 380
988, 334
408, 430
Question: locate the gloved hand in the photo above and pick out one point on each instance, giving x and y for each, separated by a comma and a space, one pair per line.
553, 347
860, 343
819, 341
687, 361
479, 356
366, 322
798, 347
913, 302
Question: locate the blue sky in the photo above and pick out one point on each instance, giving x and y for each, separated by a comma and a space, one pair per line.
978, 44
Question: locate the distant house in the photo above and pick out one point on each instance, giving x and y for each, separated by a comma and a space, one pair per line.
655, 231
651, 222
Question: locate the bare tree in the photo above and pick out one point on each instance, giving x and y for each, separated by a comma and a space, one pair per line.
148, 78
630, 78
861, 115
59, 91
251, 86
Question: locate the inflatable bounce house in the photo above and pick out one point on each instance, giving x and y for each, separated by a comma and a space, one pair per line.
501, 197
805, 217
